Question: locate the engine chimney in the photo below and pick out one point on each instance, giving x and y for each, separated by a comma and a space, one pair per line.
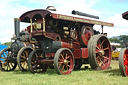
17, 27
84, 14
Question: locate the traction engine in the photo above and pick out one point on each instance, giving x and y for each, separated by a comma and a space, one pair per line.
65, 42
123, 56
19, 50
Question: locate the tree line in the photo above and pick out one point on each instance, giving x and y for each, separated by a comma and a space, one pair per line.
7, 43
122, 40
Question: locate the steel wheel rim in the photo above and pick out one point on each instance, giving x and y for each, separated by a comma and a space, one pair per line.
103, 53
125, 60
5, 64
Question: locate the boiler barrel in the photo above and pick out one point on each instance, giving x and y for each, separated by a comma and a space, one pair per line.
84, 14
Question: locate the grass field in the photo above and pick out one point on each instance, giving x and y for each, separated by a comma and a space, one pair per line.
81, 77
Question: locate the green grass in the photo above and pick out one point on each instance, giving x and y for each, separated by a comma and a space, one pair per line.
81, 77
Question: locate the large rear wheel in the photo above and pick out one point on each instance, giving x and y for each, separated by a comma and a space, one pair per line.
64, 61
5, 63
99, 52
123, 61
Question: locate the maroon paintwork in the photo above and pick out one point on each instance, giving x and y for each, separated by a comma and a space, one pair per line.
76, 42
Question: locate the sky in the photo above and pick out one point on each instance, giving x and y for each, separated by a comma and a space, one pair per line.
108, 11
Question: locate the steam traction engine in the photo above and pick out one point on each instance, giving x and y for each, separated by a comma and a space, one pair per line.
65, 42
19, 50
123, 56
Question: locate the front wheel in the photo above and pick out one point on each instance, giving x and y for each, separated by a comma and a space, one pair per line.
63, 61
22, 58
123, 61
5, 63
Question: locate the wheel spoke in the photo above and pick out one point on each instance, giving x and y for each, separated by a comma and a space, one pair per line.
106, 48
102, 42
23, 57
4, 58
67, 57
67, 67
9, 66
97, 47
99, 44
68, 61
60, 62
97, 51
27, 52
23, 64
98, 59
23, 54
60, 65
62, 68
62, 56
4, 55
59, 59
105, 57
102, 62
26, 65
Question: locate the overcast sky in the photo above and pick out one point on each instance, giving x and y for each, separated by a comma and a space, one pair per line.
107, 10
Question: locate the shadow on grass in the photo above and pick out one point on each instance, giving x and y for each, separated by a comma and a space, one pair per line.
49, 72
84, 69
112, 72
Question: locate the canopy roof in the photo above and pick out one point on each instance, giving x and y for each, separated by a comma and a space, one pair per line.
42, 13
